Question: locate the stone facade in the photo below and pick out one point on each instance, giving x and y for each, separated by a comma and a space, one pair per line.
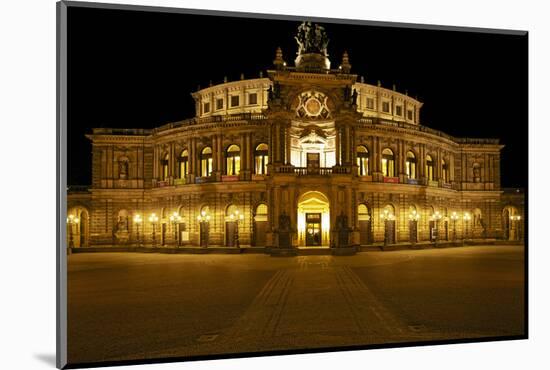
339, 162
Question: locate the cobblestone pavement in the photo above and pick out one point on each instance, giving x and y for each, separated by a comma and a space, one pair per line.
126, 306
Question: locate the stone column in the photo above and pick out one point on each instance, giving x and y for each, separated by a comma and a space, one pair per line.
287, 143
276, 142
452, 168
422, 163
338, 145
270, 150
348, 147
353, 149
439, 166
218, 152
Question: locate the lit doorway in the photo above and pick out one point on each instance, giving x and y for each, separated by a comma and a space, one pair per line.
313, 220
314, 236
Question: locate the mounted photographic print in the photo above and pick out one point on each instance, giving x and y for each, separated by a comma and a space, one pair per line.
234, 185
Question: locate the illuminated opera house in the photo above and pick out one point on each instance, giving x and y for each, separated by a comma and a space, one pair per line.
304, 156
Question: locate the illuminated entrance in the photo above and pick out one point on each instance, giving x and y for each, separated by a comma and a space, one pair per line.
313, 230
313, 220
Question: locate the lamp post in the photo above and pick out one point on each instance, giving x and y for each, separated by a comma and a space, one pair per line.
436, 217
153, 219
467, 217
175, 219
72, 220
454, 217
413, 218
387, 216
204, 220
515, 221
138, 220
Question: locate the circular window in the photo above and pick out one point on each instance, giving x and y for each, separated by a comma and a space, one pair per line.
313, 106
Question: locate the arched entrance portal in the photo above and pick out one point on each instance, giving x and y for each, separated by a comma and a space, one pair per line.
510, 227
79, 229
313, 220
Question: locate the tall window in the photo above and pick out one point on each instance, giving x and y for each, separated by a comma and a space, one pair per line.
444, 171
398, 110
164, 167
253, 99
219, 104
386, 107
261, 159
388, 163
410, 163
363, 160
184, 163
429, 167
233, 158
370, 103
206, 161
206, 107
235, 100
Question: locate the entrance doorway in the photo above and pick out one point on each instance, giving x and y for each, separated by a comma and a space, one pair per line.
260, 225
314, 236
163, 234
365, 230
313, 220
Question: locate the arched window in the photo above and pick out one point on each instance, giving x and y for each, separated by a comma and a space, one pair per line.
184, 163
261, 159
261, 209
206, 162
363, 160
233, 158
410, 164
388, 163
164, 166
444, 171
231, 210
363, 212
429, 167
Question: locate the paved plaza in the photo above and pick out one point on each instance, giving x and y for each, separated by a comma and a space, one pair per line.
125, 306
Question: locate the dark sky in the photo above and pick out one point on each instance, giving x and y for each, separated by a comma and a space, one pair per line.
137, 69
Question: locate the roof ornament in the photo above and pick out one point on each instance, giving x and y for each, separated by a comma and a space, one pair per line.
345, 66
279, 62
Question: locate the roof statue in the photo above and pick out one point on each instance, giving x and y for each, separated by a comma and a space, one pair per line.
312, 47
311, 39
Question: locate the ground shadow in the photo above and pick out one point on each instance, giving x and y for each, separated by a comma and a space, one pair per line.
47, 358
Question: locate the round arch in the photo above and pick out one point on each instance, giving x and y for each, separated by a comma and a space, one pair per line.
509, 227
80, 227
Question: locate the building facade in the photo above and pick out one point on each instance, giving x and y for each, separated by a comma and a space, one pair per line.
307, 156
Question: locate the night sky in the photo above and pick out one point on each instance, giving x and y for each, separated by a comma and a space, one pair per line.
137, 70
